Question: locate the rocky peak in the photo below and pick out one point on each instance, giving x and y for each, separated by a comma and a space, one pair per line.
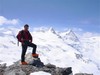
70, 35
35, 65
51, 30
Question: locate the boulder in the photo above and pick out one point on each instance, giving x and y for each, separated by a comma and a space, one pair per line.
14, 72
33, 61
2, 68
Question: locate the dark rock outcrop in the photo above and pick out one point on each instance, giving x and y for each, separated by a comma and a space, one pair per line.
35, 65
83, 74
2, 68
17, 69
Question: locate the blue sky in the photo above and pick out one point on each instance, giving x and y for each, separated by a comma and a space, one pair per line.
60, 14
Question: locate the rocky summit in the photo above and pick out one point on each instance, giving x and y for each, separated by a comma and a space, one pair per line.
35, 65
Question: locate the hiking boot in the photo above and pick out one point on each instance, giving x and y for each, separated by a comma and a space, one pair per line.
24, 63
35, 55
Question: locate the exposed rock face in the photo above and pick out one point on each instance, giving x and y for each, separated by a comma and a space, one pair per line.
34, 61
17, 69
35, 65
83, 74
2, 68
14, 71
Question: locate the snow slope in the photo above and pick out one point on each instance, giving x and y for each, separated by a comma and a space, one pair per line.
62, 49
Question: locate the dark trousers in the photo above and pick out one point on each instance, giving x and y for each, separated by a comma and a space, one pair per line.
24, 49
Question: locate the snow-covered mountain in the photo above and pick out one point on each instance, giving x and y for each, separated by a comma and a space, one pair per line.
62, 49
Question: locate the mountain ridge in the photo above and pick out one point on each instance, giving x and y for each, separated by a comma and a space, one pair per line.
55, 50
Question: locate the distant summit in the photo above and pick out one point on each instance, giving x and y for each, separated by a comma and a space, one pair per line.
52, 30
70, 35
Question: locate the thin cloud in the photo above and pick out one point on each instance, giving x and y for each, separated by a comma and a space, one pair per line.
74, 29
90, 21
6, 21
90, 34
42, 28
85, 22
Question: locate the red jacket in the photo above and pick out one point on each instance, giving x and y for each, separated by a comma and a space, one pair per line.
24, 36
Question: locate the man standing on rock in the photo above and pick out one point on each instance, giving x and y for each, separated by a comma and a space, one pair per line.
25, 38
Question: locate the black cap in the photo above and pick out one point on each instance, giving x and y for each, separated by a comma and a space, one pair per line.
26, 25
